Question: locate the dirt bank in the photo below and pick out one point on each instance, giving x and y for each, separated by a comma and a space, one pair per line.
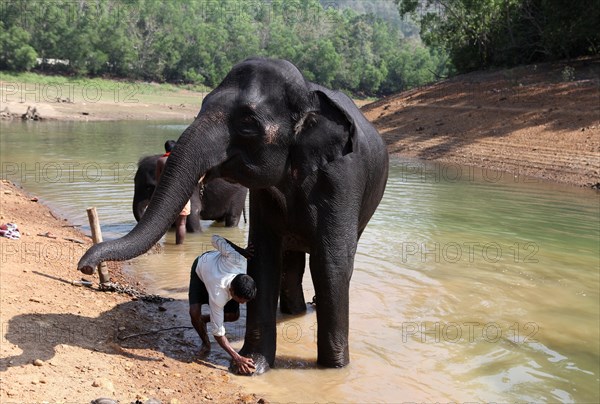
89, 103
541, 121
61, 343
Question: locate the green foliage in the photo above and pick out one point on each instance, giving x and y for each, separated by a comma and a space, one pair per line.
568, 73
369, 52
15, 52
483, 33
412, 67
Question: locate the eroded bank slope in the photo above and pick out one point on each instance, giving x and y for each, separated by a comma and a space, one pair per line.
541, 121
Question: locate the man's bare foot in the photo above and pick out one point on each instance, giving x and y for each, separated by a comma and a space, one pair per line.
204, 350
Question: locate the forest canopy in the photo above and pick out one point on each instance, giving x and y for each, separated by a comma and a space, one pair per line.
482, 33
366, 47
370, 51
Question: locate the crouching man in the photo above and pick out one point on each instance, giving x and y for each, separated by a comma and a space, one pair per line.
218, 279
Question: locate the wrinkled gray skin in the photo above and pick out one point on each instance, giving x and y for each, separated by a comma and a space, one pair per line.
219, 200
223, 201
316, 170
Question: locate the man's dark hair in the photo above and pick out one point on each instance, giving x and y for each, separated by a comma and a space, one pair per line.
243, 286
169, 144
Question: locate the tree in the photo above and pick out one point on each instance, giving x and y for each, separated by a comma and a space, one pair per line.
324, 62
198, 41
15, 52
483, 33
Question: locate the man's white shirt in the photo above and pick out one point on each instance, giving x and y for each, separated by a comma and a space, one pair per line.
217, 270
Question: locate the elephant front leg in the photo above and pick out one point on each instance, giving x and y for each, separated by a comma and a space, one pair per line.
261, 333
291, 300
331, 278
265, 268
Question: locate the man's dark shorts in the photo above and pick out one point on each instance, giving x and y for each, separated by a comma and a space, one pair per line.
199, 295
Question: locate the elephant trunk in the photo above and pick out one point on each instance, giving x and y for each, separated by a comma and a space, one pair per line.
199, 148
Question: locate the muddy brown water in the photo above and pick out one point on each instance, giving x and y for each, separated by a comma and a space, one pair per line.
469, 284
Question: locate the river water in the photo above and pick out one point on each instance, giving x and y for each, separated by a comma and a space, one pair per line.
469, 285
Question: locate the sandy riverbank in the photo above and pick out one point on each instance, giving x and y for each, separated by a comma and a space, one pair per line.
87, 102
60, 342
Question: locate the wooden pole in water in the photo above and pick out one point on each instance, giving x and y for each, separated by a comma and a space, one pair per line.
97, 238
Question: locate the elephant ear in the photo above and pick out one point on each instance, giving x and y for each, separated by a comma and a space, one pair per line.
334, 103
329, 130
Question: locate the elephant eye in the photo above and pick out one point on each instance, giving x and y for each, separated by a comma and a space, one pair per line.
248, 126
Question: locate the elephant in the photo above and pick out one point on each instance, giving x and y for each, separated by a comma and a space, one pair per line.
316, 170
216, 200
223, 201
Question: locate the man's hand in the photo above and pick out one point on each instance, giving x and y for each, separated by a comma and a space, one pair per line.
249, 251
245, 365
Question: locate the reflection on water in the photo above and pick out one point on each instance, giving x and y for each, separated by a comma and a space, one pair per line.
468, 284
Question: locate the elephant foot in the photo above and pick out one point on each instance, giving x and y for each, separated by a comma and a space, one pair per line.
333, 362
260, 341
259, 361
294, 307
332, 355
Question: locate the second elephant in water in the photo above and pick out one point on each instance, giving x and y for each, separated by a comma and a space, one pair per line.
217, 200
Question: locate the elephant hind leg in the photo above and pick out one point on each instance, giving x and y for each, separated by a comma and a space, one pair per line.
291, 299
192, 224
232, 220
